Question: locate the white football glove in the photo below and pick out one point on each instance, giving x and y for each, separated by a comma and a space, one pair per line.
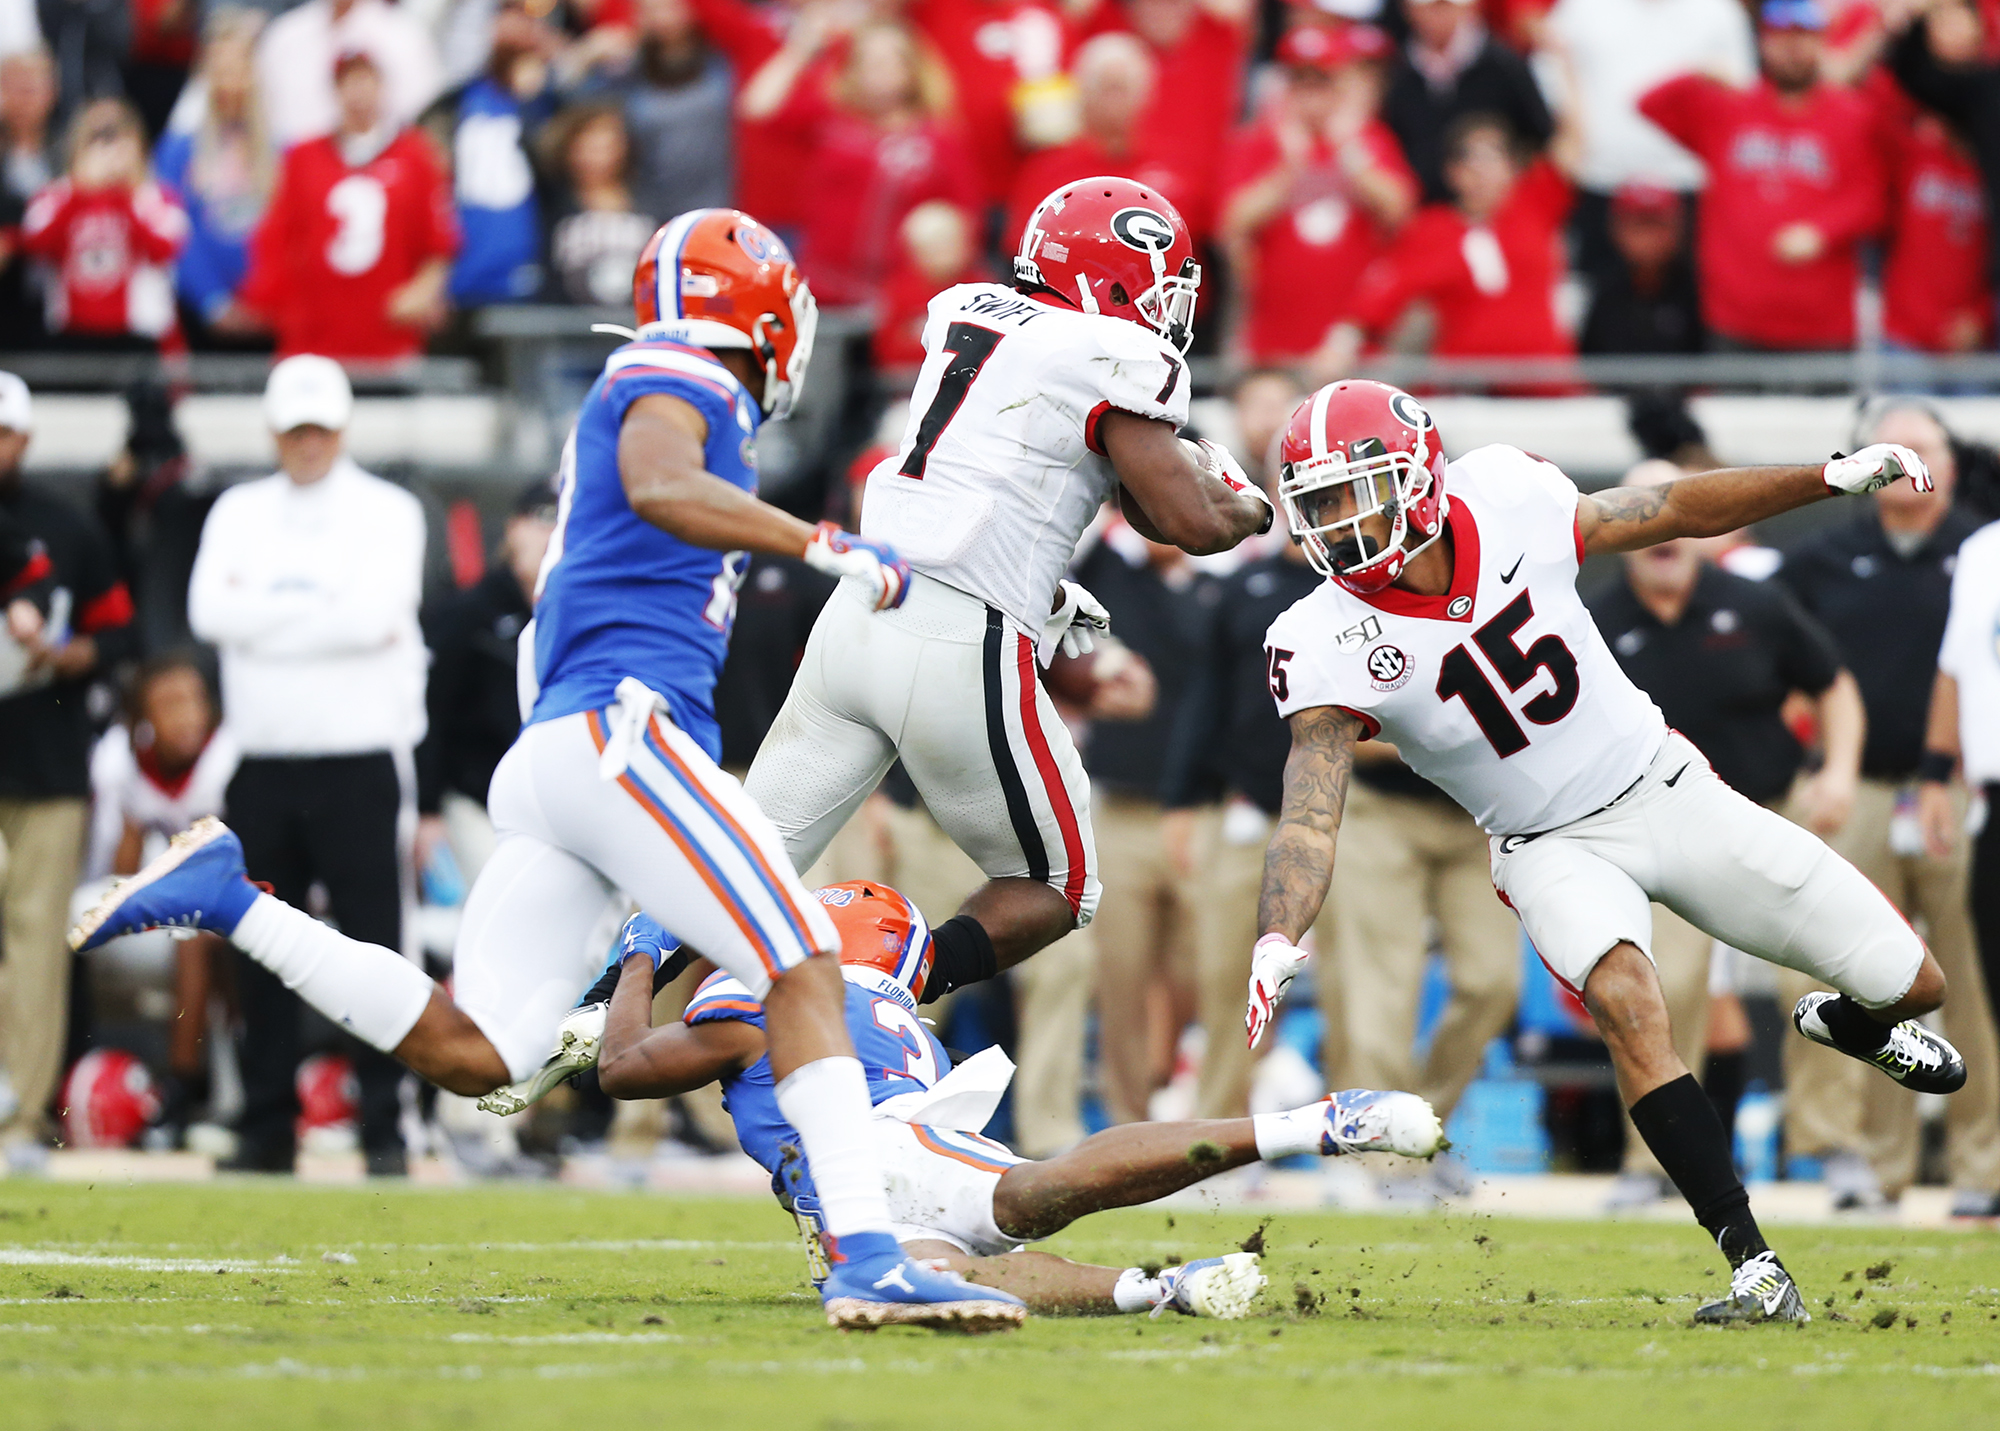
1221, 464
1274, 962
1875, 467
1074, 626
882, 576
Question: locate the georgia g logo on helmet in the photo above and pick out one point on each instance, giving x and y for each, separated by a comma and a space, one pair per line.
1143, 229
1410, 411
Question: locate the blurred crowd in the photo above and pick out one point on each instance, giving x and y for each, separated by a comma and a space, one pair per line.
299, 662
1474, 178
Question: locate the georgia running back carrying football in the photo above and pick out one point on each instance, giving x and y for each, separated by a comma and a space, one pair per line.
1035, 404
1450, 626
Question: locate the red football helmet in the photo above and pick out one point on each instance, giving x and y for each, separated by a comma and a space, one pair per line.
1109, 245
716, 278
108, 1100
329, 1102
880, 931
1351, 450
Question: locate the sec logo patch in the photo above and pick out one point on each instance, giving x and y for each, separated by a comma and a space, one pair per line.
1388, 668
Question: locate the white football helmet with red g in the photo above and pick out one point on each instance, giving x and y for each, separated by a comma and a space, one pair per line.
1112, 246
1352, 450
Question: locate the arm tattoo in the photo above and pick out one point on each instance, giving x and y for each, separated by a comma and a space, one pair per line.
1299, 864
1636, 505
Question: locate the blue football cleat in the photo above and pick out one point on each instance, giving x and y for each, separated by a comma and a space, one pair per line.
871, 1284
198, 884
1362, 1120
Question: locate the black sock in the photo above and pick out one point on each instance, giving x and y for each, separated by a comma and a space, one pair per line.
1853, 1027
1681, 1127
961, 954
1722, 1078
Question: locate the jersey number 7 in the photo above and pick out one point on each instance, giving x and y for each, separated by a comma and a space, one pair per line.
970, 346
1459, 677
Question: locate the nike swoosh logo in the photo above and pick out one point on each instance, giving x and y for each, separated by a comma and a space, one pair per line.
1508, 575
1675, 776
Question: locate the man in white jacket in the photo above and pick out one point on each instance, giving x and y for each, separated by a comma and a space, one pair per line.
308, 581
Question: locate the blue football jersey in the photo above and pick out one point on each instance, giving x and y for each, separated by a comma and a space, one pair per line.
898, 1053
619, 597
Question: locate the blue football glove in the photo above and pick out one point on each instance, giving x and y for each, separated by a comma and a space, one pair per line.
884, 577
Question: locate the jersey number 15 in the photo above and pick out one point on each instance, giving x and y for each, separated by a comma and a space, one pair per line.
1459, 677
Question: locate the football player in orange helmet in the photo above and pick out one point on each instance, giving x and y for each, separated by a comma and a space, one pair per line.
959, 1198
614, 781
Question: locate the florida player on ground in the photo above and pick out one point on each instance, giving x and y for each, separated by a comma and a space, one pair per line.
958, 1197
1450, 626
1035, 404
613, 782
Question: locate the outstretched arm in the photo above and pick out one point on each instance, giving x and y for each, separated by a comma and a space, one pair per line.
640, 1061
663, 464
1298, 866
1623, 519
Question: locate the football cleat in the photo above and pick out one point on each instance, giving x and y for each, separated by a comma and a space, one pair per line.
873, 1284
1361, 1120
1760, 1290
1220, 1287
579, 1039
1914, 1056
197, 885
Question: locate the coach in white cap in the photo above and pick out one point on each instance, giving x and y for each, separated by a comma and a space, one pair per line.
308, 581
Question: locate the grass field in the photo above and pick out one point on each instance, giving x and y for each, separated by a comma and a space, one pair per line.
239, 1304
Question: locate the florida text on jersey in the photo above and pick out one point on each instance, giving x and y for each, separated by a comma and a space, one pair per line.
619, 597
1500, 691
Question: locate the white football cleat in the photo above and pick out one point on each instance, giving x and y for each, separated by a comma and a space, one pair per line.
579, 1039
1221, 1287
1761, 1290
1361, 1120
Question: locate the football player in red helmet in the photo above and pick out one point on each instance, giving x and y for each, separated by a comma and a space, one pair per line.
1036, 404
1451, 627
959, 1197
1108, 245
1362, 471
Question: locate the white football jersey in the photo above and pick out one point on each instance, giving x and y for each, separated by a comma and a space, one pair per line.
1000, 468
1501, 691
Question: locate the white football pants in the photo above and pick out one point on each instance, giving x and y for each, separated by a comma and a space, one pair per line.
948, 684
1720, 861
672, 831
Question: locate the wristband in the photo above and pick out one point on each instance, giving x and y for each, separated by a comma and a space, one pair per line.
1937, 767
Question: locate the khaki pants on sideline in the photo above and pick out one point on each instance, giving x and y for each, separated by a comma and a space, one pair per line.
1145, 927
44, 843
1835, 1103
1400, 858
1681, 956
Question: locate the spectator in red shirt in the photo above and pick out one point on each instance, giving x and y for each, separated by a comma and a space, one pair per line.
880, 146
1314, 188
1487, 264
1114, 85
109, 233
351, 259
1199, 49
997, 52
939, 249
1934, 292
1796, 182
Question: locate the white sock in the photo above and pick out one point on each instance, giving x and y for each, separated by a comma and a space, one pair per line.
1286, 1135
827, 1101
1136, 1292
374, 993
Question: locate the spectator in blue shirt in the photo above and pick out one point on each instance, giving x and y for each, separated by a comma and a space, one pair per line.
495, 184
223, 165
